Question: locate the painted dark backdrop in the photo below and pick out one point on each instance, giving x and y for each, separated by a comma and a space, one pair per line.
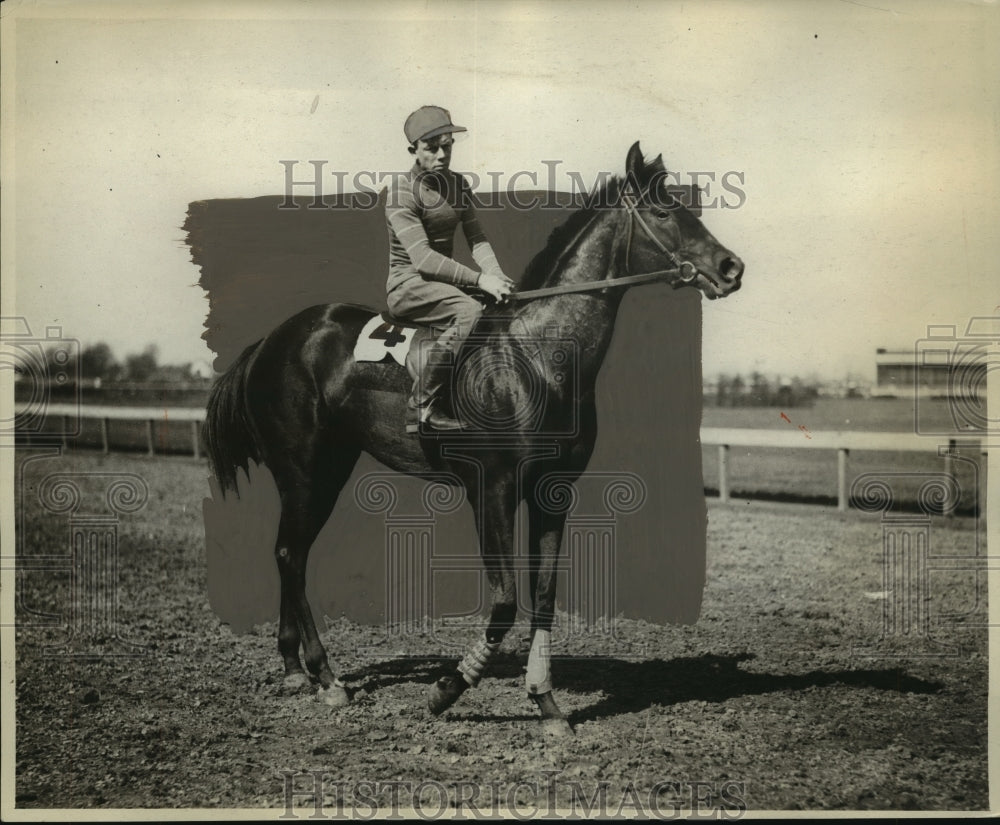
261, 264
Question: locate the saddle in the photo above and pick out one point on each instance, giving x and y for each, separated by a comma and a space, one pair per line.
386, 336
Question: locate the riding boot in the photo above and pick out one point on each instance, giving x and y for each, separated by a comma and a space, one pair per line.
435, 376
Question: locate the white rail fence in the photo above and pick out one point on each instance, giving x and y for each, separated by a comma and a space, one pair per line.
722, 438
843, 442
193, 416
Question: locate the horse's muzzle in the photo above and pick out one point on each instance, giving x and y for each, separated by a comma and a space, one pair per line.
731, 270
729, 276
721, 282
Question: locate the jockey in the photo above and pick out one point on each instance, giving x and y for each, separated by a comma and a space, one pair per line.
426, 284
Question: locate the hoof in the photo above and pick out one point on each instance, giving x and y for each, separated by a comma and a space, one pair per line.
554, 723
557, 728
295, 681
334, 696
444, 692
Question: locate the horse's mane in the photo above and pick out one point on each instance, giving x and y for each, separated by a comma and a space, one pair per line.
541, 266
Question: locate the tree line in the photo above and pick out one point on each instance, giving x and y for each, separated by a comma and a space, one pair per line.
760, 391
98, 364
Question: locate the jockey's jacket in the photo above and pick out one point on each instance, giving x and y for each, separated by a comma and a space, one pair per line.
422, 210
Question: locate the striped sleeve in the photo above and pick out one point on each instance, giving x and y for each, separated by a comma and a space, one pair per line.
482, 252
404, 218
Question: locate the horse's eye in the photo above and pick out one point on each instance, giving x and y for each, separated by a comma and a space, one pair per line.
660, 214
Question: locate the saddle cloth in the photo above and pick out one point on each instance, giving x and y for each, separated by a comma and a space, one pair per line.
385, 335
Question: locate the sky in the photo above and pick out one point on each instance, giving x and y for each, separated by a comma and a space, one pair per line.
866, 138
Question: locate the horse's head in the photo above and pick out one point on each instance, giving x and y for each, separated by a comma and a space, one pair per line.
663, 234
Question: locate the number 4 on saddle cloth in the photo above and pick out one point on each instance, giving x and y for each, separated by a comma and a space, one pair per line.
385, 335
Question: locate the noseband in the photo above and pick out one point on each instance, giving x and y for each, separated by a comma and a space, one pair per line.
685, 271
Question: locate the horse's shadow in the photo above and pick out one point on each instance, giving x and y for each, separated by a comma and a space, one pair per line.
633, 686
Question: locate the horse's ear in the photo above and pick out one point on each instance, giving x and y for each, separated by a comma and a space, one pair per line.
657, 165
635, 165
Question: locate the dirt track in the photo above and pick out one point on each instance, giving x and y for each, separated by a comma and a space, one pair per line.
765, 700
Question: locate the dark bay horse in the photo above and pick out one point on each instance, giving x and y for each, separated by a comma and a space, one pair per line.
299, 403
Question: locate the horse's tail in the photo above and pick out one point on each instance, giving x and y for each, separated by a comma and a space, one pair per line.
229, 438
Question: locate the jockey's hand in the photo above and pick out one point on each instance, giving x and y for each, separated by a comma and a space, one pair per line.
497, 285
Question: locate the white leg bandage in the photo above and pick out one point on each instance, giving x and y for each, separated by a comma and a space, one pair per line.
539, 677
472, 666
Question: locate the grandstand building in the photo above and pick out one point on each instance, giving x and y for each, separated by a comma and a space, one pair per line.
945, 371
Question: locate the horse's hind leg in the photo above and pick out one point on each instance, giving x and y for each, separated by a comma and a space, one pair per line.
307, 499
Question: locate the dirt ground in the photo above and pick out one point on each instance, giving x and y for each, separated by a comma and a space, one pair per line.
789, 693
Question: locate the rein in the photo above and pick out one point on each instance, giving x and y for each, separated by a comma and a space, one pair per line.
591, 286
680, 267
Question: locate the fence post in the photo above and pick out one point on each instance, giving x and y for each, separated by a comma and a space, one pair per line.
949, 470
105, 445
723, 472
195, 447
983, 481
149, 436
842, 479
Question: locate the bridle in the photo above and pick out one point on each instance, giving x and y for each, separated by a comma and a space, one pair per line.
686, 271
680, 266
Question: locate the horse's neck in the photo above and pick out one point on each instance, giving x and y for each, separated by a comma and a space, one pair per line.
590, 255
586, 317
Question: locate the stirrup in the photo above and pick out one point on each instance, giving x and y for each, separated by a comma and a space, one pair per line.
431, 418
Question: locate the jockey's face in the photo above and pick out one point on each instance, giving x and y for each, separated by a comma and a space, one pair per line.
433, 155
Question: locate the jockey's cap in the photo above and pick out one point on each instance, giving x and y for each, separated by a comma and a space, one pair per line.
428, 122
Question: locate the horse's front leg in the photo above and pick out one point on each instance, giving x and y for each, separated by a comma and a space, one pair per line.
544, 538
495, 522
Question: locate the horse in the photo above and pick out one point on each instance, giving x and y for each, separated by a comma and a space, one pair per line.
298, 402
